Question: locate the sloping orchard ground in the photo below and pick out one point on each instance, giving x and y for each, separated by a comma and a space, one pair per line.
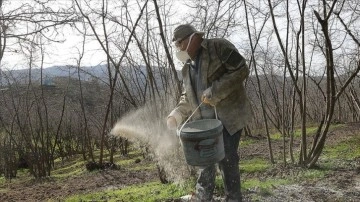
335, 179
72, 178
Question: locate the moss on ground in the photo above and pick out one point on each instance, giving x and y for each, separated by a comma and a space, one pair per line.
153, 191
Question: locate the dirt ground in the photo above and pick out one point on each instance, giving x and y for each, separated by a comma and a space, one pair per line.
343, 184
57, 190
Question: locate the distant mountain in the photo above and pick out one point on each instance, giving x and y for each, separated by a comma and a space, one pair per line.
88, 73
22, 75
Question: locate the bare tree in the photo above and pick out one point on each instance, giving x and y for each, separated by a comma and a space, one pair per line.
331, 95
31, 129
253, 63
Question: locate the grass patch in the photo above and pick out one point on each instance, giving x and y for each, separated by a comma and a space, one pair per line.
71, 170
72, 173
264, 187
340, 155
297, 133
153, 191
276, 136
346, 150
143, 167
308, 174
135, 152
125, 162
219, 185
247, 142
2, 180
309, 131
254, 165
313, 174
135, 163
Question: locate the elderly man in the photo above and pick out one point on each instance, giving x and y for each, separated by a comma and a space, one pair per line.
213, 73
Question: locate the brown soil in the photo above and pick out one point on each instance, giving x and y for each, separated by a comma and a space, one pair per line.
342, 184
43, 190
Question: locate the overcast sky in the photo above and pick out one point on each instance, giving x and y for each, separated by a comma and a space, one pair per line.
67, 52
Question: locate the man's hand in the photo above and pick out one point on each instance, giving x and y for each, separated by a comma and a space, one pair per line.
171, 123
206, 100
206, 97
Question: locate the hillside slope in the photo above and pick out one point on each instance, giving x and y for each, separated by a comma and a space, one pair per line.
339, 181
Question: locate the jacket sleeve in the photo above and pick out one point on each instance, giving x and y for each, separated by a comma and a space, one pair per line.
235, 72
182, 109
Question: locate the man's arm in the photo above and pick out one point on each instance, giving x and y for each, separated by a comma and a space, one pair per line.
181, 111
235, 72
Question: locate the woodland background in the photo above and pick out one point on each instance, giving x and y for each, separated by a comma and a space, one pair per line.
303, 57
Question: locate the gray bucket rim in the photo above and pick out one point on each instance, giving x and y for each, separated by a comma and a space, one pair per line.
215, 121
209, 132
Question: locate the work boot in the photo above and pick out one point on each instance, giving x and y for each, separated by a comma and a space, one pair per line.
187, 198
193, 198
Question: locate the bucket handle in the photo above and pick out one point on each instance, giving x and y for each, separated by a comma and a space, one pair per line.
179, 131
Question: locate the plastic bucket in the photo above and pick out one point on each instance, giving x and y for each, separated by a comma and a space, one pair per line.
202, 142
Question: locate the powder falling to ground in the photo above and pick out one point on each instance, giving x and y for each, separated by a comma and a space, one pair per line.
144, 127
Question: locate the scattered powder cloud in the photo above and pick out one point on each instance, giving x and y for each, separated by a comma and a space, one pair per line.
147, 127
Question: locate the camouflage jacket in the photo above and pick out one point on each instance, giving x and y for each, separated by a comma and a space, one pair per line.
223, 71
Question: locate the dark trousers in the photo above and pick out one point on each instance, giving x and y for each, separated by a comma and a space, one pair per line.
229, 168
